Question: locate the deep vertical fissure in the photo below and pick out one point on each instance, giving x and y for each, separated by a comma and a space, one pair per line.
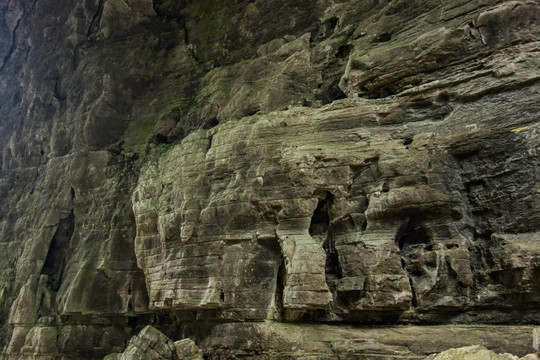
14, 34
320, 221
411, 234
280, 285
56, 257
319, 230
96, 19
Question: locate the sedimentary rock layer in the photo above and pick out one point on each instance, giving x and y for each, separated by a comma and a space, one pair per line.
196, 165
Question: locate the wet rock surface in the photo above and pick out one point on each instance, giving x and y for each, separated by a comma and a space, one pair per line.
263, 189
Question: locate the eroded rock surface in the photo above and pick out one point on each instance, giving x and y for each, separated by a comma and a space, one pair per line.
149, 344
207, 165
477, 352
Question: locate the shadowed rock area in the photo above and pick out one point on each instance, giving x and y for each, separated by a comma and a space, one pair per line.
270, 179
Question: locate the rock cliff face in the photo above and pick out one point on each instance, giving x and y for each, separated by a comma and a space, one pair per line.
253, 173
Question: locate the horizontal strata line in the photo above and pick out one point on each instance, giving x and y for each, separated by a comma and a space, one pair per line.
158, 268
477, 9
500, 89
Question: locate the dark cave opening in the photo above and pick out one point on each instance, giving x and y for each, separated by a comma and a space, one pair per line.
343, 51
330, 91
319, 227
320, 221
55, 260
413, 233
210, 123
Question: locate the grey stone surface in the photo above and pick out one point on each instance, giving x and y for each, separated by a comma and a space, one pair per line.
149, 344
289, 340
530, 357
477, 352
186, 349
195, 165
474, 352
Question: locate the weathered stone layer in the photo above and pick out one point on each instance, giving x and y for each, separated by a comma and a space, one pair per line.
181, 165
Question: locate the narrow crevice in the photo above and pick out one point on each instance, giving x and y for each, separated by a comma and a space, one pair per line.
326, 29
12, 48
330, 91
221, 296
58, 91
209, 146
320, 221
500, 89
96, 20
211, 123
155, 7
344, 51
160, 139
414, 300
408, 237
412, 233
331, 265
55, 261
186, 33
14, 36
384, 37
169, 10
364, 224
280, 286
92, 29
320, 230
75, 56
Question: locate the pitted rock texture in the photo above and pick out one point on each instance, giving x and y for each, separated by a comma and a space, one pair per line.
193, 165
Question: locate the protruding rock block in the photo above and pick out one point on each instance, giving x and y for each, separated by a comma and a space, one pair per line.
474, 352
149, 344
536, 339
187, 350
